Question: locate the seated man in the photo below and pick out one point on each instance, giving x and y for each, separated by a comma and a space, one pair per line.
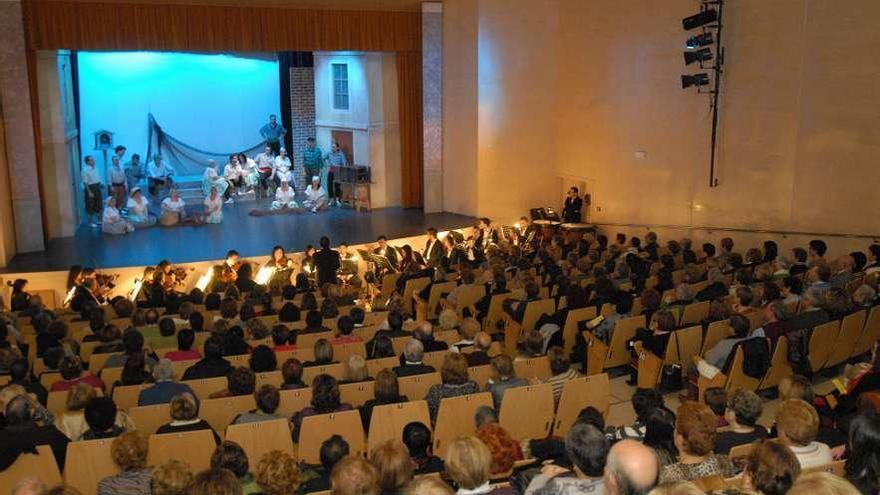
284, 197
412, 365
587, 449
165, 387
316, 196
479, 354
517, 309
159, 174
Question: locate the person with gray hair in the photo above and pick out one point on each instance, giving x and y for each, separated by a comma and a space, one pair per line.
587, 448
812, 311
484, 416
717, 288
165, 388
630, 469
22, 433
412, 360
865, 296
425, 333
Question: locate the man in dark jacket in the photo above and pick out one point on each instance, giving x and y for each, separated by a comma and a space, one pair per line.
23, 434
327, 263
412, 364
813, 313
213, 364
165, 388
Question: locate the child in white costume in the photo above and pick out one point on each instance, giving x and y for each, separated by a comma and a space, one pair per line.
284, 197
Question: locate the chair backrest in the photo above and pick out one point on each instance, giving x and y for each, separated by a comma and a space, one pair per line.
414, 285
294, 401
308, 340
480, 374
694, 313
435, 359
448, 336
341, 352
469, 296
238, 360
534, 311
495, 311
148, 419
780, 367
180, 367
756, 319
204, 387
689, 342
57, 401
822, 343
219, 413
194, 447
578, 393
836, 468
303, 354
538, 367
437, 291
455, 418
416, 387
269, 378
569, 331
717, 331
88, 462
316, 429
387, 421
624, 330
870, 334
374, 366
98, 361
41, 465
47, 379
736, 376
527, 412
850, 330
256, 439
126, 396
336, 370
357, 393
111, 375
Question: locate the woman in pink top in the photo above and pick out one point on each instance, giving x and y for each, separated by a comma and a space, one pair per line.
184, 352
72, 374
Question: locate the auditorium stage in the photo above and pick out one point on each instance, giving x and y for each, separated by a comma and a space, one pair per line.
251, 236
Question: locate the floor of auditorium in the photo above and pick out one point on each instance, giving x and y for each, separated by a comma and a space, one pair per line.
251, 236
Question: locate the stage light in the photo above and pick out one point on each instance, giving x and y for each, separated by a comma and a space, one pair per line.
705, 17
205, 279
701, 55
69, 296
264, 275
699, 40
701, 79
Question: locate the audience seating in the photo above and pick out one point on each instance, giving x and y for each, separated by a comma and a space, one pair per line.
569, 331
870, 334
195, 447
455, 418
593, 390
850, 330
88, 462
414, 286
822, 340
316, 429
57, 401
780, 367
416, 387
357, 393
694, 313
836, 468
374, 366
468, 297
204, 387
717, 331
148, 419
219, 413
387, 421
438, 291
538, 367
336, 370
495, 312
480, 374
293, 401
261, 437
435, 359
41, 465
534, 311
268, 378
527, 412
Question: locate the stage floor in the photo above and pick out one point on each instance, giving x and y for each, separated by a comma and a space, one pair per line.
250, 236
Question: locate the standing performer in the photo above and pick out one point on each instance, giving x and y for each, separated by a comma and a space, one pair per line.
134, 172
281, 170
92, 182
273, 133
117, 180
232, 172
284, 197
313, 158
113, 221
160, 175
316, 196
571, 211
327, 262
335, 159
138, 209
214, 207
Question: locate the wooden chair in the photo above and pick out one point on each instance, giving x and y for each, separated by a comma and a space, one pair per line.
111, 375
219, 413
180, 367
416, 387
455, 418
316, 429
41, 465
780, 367
870, 334
256, 439
717, 331
126, 396
495, 312
534, 311
733, 380
850, 330
97, 362
756, 319
414, 286
204, 387
357, 393
148, 419
480, 374
436, 293
294, 401
435, 359
374, 366
569, 330
527, 412
690, 340
49, 379
57, 401
269, 378
822, 340
238, 360
538, 367
336, 370
836, 468
194, 447
88, 462
341, 352
694, 313
624, 330
389, 282
388, 421
607, 310
303, 354
650, 365
468, 297
308, 340
594, 390
448, 336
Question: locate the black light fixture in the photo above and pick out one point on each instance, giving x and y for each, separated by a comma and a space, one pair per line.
706, 16
701, 79
699, 40
701, 55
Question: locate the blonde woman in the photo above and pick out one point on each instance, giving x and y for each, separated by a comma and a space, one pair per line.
214, 207
467, 464
113, 223
72, 422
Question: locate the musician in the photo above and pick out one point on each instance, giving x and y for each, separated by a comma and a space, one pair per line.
229, 268
451, 251
349, 268
84, 294
282, 266
387, 251
327, 263
433, 249
485, 235
523, 228
308, 262
571, 210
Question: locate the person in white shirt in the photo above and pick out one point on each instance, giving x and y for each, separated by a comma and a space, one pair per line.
159, 174
316, 196
173, 209
138, 210
798, 424
210, 179
281, 171
335, 159
284, 197
232, 173
113, 221
92, 183
214, 207
116, 179
249, 174
265, 164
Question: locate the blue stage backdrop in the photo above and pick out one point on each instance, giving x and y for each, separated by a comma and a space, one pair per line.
215, 103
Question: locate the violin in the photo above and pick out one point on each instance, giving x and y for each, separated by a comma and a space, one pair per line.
230, 272
175, 276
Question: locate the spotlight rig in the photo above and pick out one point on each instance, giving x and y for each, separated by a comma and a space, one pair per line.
698, 50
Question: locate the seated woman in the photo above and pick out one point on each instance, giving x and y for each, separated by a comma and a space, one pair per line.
316, 196
284, 197
771, 469
185, 417
718, 355
72, 422
138, 209
393, 465
291, 372
386, 392
267, 399
743, 409
695, 440
72, 374
213, 207
505, 450
325, 400
417, 438
113, 223
250, 176
173, 210
798, 424
455, 382
323, 354
356, 370
863, 448
654, 338
210, 179
232, 173
129, 453
467, 464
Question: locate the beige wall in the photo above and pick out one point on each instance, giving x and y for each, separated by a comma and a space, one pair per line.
7, 225
600, 81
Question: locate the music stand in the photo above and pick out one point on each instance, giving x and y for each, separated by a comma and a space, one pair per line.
508, 231
419, 258
380, 261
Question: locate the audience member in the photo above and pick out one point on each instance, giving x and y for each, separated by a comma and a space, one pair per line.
743, 410
798, 425
695, 439
129, 453
505, 450
417, 438
454, 382
165, 387
230, 456
333, 450
386, 392
185, 417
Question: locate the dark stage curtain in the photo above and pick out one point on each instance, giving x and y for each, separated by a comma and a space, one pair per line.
82, 25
